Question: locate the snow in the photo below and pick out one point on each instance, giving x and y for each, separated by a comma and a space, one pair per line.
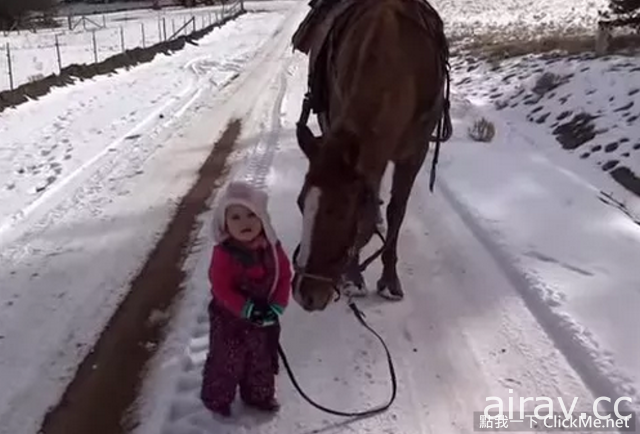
122, 150
553, 218
574, 254
550, 92
524, 19
509, 284
34, 54
115, 6
45, 148
519, 270
471, 341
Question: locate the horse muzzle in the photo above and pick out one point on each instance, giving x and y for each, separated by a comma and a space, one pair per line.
311, 291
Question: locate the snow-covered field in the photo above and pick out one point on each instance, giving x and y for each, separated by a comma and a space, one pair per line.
557, 197
66, 9
96, 38
521, 18
589, 108
520, 269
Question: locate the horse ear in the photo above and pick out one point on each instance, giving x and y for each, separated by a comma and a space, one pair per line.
307, 141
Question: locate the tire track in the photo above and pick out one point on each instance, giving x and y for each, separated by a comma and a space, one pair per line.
259, 163
123, 351
185, 412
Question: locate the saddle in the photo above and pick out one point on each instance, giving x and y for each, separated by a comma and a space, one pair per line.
313, 37
318, 35
322, 13
320, 31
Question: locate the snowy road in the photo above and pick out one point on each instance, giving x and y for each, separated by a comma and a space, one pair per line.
462, 334
88, 189
120, 153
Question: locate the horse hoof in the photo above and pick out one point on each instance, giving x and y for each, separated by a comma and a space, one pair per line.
390, 293
386, 293
350, 289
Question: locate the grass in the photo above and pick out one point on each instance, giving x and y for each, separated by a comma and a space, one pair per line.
495, 46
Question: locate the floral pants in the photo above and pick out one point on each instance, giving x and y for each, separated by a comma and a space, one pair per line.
240, 354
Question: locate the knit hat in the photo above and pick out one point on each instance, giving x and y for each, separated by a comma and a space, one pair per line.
241, 193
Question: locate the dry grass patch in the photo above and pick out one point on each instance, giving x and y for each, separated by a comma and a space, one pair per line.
482, 130
499, 46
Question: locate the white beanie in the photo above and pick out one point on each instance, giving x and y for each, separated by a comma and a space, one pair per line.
241, 193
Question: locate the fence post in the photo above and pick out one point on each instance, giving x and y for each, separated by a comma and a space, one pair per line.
195, 27
122, 38
164, 28
144, 44
10, 66
58, 54
95, 47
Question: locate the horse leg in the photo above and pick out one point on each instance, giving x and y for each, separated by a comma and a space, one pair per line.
352, 282
404, 176
379, 218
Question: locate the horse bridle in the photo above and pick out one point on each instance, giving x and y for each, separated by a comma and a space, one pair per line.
301, 273
369, 198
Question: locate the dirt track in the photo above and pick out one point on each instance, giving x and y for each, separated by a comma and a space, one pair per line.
109, 379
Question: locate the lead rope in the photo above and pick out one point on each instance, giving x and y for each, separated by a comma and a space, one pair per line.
394, 384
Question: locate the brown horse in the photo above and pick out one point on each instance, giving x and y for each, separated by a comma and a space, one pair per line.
379, 81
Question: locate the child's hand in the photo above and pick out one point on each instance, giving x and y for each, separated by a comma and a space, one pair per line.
258, 314
276, 309
264, 314
270, 317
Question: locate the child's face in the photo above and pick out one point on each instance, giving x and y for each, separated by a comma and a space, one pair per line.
242, 223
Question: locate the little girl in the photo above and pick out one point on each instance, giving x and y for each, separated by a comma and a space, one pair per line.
251, 279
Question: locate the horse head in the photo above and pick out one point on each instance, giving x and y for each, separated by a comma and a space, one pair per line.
338, 206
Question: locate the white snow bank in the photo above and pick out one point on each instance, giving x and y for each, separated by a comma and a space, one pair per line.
591, 106
49, 143
533, 18
94, 38
462, 334
571, 253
